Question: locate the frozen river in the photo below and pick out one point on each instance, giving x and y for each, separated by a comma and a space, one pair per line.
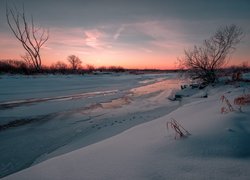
45, 116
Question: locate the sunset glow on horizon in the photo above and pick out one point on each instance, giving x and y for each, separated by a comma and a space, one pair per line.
145, 35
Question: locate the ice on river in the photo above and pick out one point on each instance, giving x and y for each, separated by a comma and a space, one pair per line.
48, 115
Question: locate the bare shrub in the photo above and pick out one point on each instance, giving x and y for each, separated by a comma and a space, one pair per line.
59, 67
13, 66
203, 62
90, 68
28, 61
102, 68
242, 101
116, 69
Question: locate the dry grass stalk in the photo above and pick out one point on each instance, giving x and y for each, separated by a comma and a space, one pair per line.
229, 107
224, 110
179, 130
242, 100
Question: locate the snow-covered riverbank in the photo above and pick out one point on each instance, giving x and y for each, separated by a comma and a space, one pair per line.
218, 147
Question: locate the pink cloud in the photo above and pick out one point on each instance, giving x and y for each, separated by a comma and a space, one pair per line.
118, 32
94, 38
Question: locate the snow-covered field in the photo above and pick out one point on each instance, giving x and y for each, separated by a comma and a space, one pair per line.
48, 115
218, 147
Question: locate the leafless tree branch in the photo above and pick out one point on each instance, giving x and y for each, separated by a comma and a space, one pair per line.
31, 38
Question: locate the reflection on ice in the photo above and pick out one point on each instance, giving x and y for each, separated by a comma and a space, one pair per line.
164, 85
116, 103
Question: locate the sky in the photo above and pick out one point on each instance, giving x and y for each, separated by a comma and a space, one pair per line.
132, 34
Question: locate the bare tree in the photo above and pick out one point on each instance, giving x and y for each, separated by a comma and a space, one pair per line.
203, 61
74, 61
32, 38
27, 59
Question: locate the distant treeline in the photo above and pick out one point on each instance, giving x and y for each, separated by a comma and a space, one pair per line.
11, 66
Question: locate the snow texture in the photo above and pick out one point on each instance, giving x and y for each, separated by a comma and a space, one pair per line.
218, 147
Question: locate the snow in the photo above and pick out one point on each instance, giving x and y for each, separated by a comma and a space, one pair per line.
218, 147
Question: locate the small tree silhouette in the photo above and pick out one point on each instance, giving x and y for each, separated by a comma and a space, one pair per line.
74, 61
